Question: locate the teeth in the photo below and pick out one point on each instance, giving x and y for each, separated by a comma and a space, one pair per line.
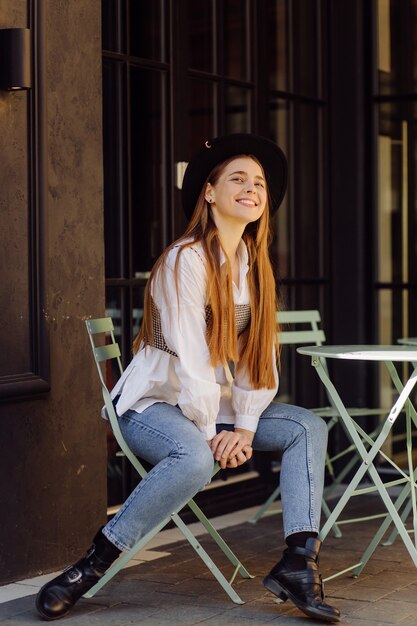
247, 202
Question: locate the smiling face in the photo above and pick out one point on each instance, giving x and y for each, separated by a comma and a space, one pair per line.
239, 195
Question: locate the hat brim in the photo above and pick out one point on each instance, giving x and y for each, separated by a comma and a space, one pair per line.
219, 149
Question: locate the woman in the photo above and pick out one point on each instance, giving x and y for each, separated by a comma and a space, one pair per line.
211, 300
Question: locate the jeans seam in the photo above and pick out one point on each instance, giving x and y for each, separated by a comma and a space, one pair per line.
155, 472
134, 493
309, 463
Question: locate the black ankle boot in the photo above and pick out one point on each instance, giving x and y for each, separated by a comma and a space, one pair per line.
304, 587
57, 597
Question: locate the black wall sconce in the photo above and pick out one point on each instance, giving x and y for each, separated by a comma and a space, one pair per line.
15, 59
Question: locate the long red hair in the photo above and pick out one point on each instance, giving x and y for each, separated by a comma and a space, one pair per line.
257, 342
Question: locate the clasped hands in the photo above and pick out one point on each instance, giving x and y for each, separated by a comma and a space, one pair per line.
232, 448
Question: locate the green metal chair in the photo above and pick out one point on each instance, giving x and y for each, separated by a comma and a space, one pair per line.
304, 329
103, 353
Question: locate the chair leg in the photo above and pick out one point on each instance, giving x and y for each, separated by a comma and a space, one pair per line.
125, 558
335, 528
392, 537
329, 466
355, 460
385, 525
207, 560
262, 510
240, 569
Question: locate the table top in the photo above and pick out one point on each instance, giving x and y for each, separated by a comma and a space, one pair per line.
362, 352
408, 341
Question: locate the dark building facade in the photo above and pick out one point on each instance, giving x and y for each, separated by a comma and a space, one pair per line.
52, 444
91, 163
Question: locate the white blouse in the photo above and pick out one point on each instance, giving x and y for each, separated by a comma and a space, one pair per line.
205, 395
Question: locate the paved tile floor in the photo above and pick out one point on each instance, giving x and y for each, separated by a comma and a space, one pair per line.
169, 584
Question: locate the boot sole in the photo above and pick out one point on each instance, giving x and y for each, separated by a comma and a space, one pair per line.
281, 592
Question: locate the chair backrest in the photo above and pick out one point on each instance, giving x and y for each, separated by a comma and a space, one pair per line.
108, 351
102, 354
304, 331
305, 328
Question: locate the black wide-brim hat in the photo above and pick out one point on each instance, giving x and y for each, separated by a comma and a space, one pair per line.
219, 149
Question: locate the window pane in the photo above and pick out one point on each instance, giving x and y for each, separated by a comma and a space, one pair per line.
299, 227
389, 331
236, 43
397, 46
147, 29
147, 168
412, 314
200, 34
304, 48
114, 167
306, 296
397, 206
295, 22
200, 113
281, 246
137, 312
112, 24
277, 44
237, 110
306, 190
385, 321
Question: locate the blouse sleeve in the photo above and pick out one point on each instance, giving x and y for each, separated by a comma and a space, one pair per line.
249, 403
183, 325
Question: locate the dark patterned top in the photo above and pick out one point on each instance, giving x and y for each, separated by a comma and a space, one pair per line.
242, 316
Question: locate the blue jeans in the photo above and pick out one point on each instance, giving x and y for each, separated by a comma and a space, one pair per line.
183, 465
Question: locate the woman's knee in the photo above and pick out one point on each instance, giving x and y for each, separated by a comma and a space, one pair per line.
320, 427
315, 424
200, 464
